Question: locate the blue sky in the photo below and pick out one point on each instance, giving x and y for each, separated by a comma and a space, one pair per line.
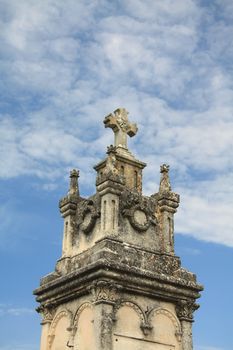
64, 65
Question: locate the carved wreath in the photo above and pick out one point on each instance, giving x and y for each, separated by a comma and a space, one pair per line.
131, 213
90, 209
131, 203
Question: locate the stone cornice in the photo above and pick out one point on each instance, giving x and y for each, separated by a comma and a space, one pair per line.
174, 283
129, 160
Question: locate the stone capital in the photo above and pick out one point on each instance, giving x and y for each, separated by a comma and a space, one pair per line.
185, 310
47, 313
104, 292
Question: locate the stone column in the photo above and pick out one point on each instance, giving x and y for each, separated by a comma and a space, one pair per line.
44, 335
168, 203
187, 340
110, 186
185, 309
47, 314
104, 298
68, 206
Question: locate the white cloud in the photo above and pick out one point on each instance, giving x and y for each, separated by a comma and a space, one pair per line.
66, 65
15, 311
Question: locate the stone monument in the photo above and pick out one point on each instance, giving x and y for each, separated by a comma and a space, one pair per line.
118, 284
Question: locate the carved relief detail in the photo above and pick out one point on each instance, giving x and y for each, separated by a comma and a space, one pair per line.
88, 210
104, 291
47, 313
171, 316
134, 205
185, 309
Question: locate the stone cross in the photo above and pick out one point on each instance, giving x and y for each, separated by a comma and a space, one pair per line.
119, 123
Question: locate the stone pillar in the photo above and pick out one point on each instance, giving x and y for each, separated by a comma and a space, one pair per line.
184, 310
47, 314
168, 203
103, 326
44, 335
68, 206
104, 298
187, 340
110, 186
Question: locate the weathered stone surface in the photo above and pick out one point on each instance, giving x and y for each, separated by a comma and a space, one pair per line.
118, 279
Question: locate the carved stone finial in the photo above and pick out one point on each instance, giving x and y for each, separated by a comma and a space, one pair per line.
119, 123
165, 185
74, 189
111, 149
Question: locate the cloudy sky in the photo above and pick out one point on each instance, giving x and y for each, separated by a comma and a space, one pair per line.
64, 65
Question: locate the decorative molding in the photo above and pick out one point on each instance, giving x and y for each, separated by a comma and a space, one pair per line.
68, 205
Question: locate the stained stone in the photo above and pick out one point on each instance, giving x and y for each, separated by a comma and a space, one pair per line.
118, 284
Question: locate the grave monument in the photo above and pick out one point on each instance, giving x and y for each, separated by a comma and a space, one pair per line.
118, 284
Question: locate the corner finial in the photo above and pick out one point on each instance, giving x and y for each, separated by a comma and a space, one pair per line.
111, 149
165, 185
74, 188
119, 123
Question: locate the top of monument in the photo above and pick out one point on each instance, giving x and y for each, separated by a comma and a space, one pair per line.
119, 123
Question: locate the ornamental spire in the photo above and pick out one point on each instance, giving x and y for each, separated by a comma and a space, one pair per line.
74, 188
165, 185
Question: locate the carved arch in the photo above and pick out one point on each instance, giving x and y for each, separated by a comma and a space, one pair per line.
79, 310
56, 319
134, 306
171, 316
83, 323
